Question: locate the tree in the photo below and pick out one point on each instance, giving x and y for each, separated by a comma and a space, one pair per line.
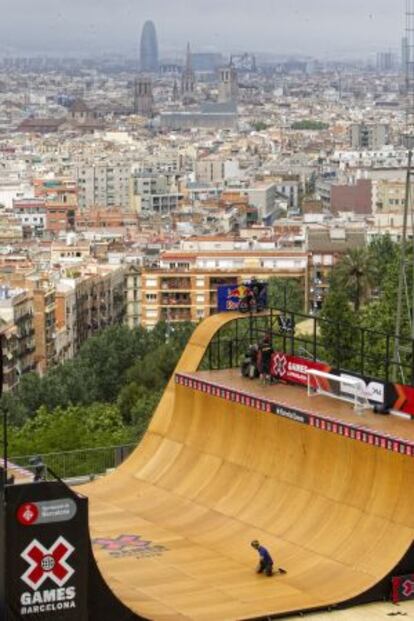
260, 126
339, 333
383, 253
67, 429
356, 275
289, 290
310, 124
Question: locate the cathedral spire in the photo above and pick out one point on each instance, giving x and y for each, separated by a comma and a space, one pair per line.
188, 60
188, 79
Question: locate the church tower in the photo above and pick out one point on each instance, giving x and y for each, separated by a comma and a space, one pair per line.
228, 85
188, 79
175, 93
143, 99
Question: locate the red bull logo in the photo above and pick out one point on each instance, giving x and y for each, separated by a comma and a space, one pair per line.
235, 296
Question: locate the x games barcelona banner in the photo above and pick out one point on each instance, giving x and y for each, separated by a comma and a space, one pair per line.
46, 553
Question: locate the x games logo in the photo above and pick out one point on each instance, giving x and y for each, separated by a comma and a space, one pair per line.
47, 563
129, 545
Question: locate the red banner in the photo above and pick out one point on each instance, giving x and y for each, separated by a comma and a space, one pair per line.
404, 401
293, 368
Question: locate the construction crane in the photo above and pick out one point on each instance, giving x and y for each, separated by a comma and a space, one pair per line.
403, 292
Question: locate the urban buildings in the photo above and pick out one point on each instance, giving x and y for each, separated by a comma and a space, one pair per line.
129, 197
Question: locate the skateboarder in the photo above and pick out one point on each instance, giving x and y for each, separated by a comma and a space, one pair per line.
266, 561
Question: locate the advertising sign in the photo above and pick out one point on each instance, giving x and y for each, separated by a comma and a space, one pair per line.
402, 588
293, 368
46, 553
250, 296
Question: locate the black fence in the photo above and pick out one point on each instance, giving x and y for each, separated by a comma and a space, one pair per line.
351, 348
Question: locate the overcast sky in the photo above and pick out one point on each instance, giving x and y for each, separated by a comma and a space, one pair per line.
311, 27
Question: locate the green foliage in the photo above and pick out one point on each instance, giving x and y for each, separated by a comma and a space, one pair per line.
384, 255
363, 293
310, 124
260, 126
290, 290
104, 397
65, 429
338, 333
355, 274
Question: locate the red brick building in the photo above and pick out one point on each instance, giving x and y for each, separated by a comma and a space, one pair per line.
356, 197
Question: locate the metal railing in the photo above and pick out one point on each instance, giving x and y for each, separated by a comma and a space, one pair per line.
352, 348
83, 462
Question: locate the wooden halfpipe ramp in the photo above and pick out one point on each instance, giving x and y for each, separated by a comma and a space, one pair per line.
171, 527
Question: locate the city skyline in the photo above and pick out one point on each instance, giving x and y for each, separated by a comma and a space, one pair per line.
313, 28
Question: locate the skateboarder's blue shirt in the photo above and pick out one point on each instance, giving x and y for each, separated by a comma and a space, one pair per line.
264, 555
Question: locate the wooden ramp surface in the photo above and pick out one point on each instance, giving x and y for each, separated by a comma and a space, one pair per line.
174, 522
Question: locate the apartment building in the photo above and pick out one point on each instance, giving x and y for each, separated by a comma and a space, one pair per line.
44, 309
73, 251
370, 136
262, 195
11, 230
17, 334
66, 324
61, 202
32, 214
216, 170
389, 196
153, 193
133, 293
90, 298
184, 288
352, 197
388, 207
103, 185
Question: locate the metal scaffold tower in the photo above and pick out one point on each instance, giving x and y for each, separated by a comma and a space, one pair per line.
405, 298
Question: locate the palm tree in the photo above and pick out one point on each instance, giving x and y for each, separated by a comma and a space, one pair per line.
356, 273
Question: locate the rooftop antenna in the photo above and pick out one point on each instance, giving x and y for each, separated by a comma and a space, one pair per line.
408, 69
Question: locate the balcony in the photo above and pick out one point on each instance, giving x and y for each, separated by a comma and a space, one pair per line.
176, 284
218, 281
175, 299
179, 314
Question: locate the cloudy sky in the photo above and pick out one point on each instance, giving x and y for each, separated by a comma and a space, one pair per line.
312, 27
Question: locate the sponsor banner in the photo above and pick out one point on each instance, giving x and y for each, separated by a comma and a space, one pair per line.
294, 368
46, 512
249, 295
47, 551
402, 588
229, 297
375, 391
299, 417
401, 398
